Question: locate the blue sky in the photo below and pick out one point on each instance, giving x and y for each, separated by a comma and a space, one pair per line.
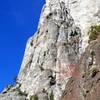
18, 21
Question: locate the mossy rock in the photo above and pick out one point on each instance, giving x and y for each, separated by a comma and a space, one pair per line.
94, 32
33, 97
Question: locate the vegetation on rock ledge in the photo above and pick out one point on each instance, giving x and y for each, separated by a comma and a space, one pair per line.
34, 97
94, 32
51, 96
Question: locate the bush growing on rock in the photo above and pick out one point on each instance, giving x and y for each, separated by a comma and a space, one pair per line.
34, 97
94, 32
51, 96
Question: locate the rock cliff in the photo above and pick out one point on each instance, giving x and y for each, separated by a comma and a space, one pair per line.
53, 55
87, 85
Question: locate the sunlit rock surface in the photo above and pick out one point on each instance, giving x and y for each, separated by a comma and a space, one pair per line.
53, 53
53, 50
84, 12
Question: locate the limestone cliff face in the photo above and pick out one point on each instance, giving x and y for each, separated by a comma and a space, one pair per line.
84, 12
54, 48
54, 52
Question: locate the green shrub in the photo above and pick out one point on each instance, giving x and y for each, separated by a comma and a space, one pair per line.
34, 97
93, 33
51, 96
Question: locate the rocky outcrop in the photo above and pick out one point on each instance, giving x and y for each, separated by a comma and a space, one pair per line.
85, 14
54, 48
52, 55
86, 85
13, 93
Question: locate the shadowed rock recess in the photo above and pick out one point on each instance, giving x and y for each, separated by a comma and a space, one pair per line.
58, 64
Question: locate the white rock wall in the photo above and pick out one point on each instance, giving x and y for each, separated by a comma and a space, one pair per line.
54, 49
52, 54
85, 13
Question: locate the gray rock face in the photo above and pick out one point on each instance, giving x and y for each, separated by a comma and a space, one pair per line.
12, 96
85, 14
13, 93
52, 54
53, 49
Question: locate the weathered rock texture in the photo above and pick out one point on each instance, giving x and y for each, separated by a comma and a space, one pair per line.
53, 53
54, 48
84, 12
13, 93
87, 85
